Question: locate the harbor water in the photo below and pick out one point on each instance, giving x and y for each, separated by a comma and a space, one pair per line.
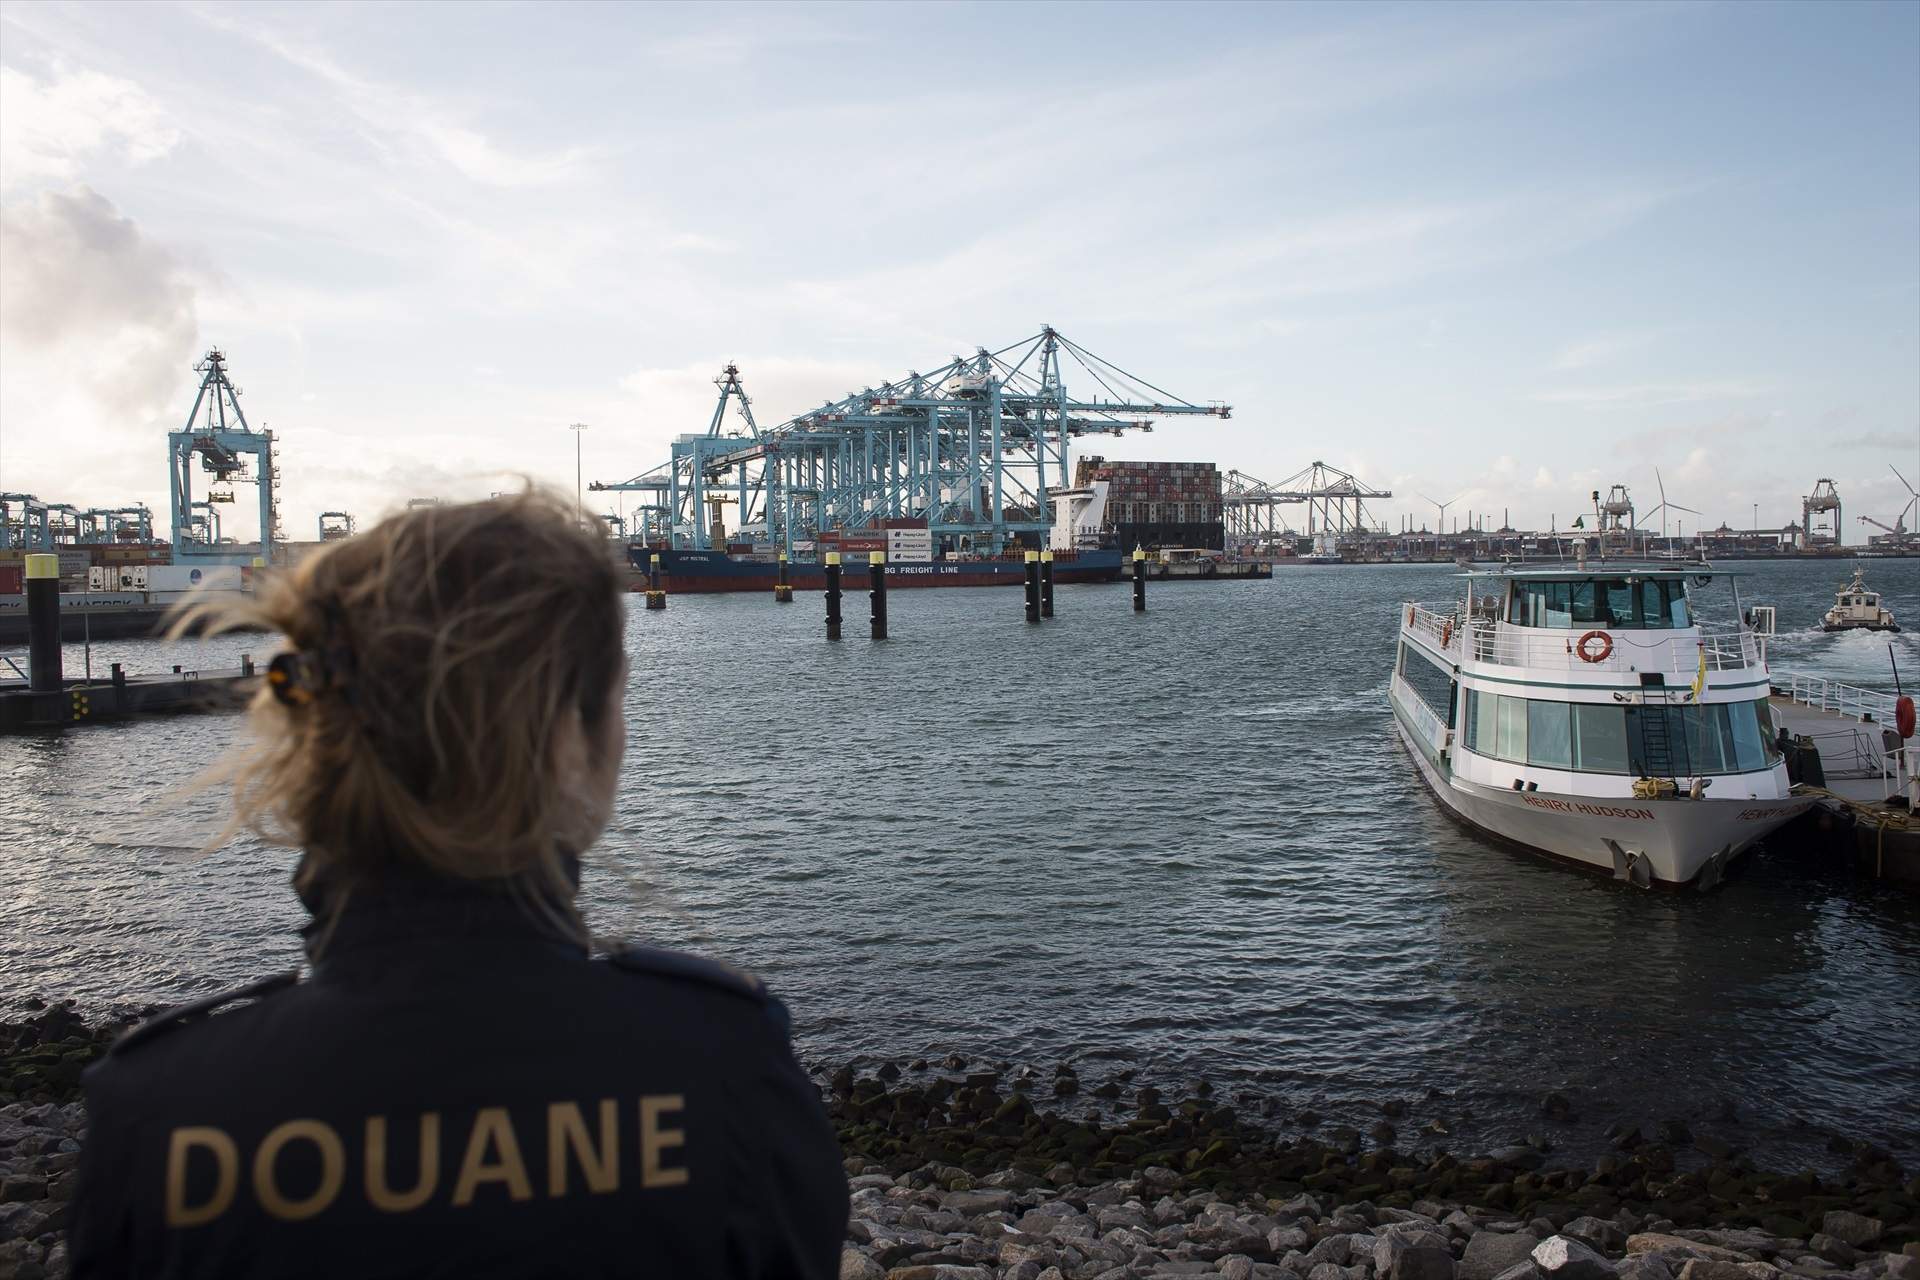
1184, 843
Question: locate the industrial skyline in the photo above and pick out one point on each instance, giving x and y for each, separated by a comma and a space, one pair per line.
1504, 255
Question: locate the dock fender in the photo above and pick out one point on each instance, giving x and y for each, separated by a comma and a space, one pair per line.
1715, 869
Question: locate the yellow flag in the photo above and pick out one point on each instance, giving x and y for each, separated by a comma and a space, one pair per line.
1700, 677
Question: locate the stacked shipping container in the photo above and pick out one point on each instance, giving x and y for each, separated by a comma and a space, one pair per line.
1158, 504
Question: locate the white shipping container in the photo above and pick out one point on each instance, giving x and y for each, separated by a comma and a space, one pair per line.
97, 578
181, 577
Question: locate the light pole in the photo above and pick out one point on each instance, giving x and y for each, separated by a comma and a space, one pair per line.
579, 492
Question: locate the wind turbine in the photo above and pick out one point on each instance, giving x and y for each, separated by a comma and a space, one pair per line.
1912, 497
1666, 506
1443, 508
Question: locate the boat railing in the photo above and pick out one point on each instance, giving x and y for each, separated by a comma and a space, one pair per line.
1439, 621
1628, 650
1832, 695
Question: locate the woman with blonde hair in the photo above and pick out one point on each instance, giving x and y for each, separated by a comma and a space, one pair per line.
456, 1087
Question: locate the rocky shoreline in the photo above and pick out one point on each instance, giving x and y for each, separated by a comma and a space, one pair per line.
969, 1172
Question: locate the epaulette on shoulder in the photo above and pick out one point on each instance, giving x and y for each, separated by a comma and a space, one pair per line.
161, 1023
679, 964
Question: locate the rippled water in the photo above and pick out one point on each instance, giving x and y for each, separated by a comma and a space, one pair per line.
1185, 841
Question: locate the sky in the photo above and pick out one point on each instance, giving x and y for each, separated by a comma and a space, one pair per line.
1501, 254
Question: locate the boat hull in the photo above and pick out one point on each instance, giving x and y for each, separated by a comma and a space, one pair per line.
699, 572
1861, 626
1675, 839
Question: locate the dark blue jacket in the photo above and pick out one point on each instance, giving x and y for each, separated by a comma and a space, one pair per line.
638, 1116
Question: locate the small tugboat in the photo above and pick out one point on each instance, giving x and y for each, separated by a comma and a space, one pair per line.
1855, 608
1585, 714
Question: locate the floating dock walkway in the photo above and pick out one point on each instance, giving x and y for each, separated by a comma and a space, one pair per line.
42, 697
1861, 773
23, 709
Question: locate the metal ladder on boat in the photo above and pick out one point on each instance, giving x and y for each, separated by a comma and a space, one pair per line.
1656, 746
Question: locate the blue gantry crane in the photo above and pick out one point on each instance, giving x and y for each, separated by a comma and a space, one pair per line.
231, 452
974, 448
27, 523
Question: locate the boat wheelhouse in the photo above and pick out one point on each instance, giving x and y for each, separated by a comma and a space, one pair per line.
1858, 608
1587, 714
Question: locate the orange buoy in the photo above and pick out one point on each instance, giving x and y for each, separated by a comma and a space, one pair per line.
1903, 716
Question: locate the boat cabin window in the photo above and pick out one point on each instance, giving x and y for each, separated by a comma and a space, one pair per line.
1614, 604
1638, 741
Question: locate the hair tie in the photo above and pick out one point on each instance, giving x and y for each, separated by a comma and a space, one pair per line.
298, 676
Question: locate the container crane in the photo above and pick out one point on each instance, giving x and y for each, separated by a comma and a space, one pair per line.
973, 448
1335, 501
1823, 503
230, 451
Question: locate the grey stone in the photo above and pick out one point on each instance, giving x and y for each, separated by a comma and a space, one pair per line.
1564, 1258
969, 1203
1838, 1252
855, 1265
1489, 1253
1856, 1229
1644, 1266
1336, 1249
1903, 1266
1283, 1240
24, 1186
1675, 1249
1413, 1256
1520, 1271
939, 1271
1598, 1233
1713, 1269
1235, 1266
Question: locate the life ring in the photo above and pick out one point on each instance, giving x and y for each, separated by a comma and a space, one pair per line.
1409, 615
1903, 716
1446, 633
1606, 647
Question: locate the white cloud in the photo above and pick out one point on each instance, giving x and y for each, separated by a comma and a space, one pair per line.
1649, 394
101, 309
1601, 350
419, 125
50, 129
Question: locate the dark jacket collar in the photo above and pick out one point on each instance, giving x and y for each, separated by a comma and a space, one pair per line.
402, 913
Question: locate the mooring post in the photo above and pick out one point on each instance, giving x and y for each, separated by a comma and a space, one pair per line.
1139, 580
656, 598
877, 592
833, 595
1033, 586
783, 589
246, 664
43, 624
1046, 584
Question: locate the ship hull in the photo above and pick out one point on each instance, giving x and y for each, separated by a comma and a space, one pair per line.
1666, 842
696, 572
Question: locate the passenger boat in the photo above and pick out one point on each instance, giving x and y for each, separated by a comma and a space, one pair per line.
1586, 714
1856, 608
